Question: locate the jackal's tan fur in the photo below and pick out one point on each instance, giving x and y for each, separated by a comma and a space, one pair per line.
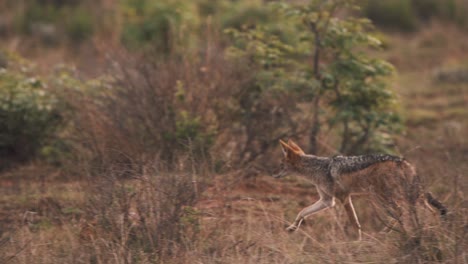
387, 178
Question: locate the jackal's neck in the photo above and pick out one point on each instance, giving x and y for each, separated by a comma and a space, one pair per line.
313, 167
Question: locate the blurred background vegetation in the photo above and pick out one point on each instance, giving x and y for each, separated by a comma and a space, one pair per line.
276, 45
116, 115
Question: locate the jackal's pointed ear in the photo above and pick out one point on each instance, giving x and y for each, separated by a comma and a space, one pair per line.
284, 147
288, 151
295, 147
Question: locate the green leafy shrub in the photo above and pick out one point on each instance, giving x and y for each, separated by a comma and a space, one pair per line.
178, 26
249, 16
394, 14
191, 134
48, 21
426, 9
326, 67
407, 15
29, 113
79, 25
164, 26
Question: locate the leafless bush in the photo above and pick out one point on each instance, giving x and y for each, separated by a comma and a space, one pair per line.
148, 219
206, 107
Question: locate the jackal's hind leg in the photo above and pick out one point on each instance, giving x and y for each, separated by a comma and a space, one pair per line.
348, 205
323, 203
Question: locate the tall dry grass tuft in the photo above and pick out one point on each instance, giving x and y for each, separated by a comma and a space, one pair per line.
147, 219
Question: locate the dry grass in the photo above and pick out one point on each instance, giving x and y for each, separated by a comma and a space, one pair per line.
239, 221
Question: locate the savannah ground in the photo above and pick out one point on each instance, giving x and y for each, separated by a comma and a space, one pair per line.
54, 214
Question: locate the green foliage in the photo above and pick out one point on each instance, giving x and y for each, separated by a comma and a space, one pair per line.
361, 100
406, 14
234, 14
191, 134
178, 26
350, 87
79, 25
48, 21
164, 25
190, 222
397, 14
246, 16
426, 9
28, 113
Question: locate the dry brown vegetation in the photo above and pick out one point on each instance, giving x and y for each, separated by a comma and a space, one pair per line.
125, 197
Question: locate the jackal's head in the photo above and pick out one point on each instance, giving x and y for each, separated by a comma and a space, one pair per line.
291, 158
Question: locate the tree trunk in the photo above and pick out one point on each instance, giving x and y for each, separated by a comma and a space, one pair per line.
313, 147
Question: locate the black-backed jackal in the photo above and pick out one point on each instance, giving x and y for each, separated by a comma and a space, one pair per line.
390, 180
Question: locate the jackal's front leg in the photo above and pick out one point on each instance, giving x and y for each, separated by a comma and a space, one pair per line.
323, 203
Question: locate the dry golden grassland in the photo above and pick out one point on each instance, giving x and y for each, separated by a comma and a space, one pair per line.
240, 217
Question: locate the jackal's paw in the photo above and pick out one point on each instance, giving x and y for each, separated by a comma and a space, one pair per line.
291, 228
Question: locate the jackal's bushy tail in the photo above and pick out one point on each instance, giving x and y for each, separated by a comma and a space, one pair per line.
436, 204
